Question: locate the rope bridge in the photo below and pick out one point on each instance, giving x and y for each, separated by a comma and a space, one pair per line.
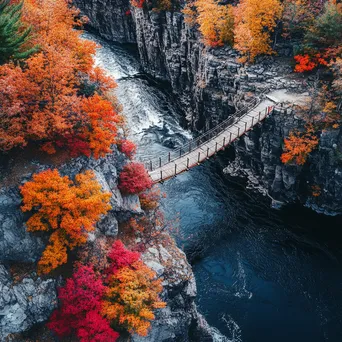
207, 144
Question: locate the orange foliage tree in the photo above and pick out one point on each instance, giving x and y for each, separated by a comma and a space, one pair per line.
216, 22
132, 294
101, 129
308, 63
149, 200
255, 20
68, 209
40, 99
298, 146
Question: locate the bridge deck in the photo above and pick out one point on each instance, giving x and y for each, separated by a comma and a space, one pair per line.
194, 156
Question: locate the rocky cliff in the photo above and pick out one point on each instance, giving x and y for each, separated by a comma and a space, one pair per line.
27, 300
317, 184
211, 86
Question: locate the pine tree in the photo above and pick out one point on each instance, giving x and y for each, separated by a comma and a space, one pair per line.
13, 33
327, 28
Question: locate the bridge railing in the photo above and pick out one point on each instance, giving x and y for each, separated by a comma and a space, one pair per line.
201, 139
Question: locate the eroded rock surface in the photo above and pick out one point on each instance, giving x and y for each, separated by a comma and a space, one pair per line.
24, 304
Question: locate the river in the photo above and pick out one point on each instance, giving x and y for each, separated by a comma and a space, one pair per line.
263, 275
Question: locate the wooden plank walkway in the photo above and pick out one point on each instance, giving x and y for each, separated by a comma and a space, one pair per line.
208, 144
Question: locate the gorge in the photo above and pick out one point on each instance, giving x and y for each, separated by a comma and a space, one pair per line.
246, 257
244, 247
210, 86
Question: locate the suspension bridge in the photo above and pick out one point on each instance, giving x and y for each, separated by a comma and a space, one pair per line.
198, 150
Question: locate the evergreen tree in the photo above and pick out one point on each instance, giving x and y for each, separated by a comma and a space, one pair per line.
327, 28
13, 33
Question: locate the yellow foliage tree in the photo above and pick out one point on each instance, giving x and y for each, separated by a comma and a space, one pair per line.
216, 22
131, 297
68, 209
254, 21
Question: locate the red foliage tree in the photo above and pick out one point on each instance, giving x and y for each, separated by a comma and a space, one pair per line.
121, 257
128, 148
79, 313
75, 144
307, 62
134, 179
95, 328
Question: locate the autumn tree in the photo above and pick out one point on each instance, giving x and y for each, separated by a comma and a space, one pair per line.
298, 146
119, 257
138, 3
326, 30
299, 15
128, 148
322, 40
41, 100
134, 179
190, 12
149, 200
100, 125
14, 34
132, 292
308, 62
80, 306
255, 20
67, 209
337, 83
216, 22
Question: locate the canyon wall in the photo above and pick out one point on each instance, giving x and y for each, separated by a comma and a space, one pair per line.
27, 300
317, 184
211, 85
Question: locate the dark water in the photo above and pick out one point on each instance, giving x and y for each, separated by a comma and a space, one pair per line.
262, 275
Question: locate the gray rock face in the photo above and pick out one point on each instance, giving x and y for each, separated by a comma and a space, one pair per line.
32, 300
179, 320
24, 304
111, 19
209, 83
16, 244
258, 158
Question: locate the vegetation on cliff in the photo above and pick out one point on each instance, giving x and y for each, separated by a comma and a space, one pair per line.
54, 97
95, 302
68, 209
57, 97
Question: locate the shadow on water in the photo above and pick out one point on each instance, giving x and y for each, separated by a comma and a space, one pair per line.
263, 275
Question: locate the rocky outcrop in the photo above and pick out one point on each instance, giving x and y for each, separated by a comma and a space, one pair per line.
111, 19
180, 320
16, 244
27, 302
209, 83
24, 304
317, 184
30, 301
